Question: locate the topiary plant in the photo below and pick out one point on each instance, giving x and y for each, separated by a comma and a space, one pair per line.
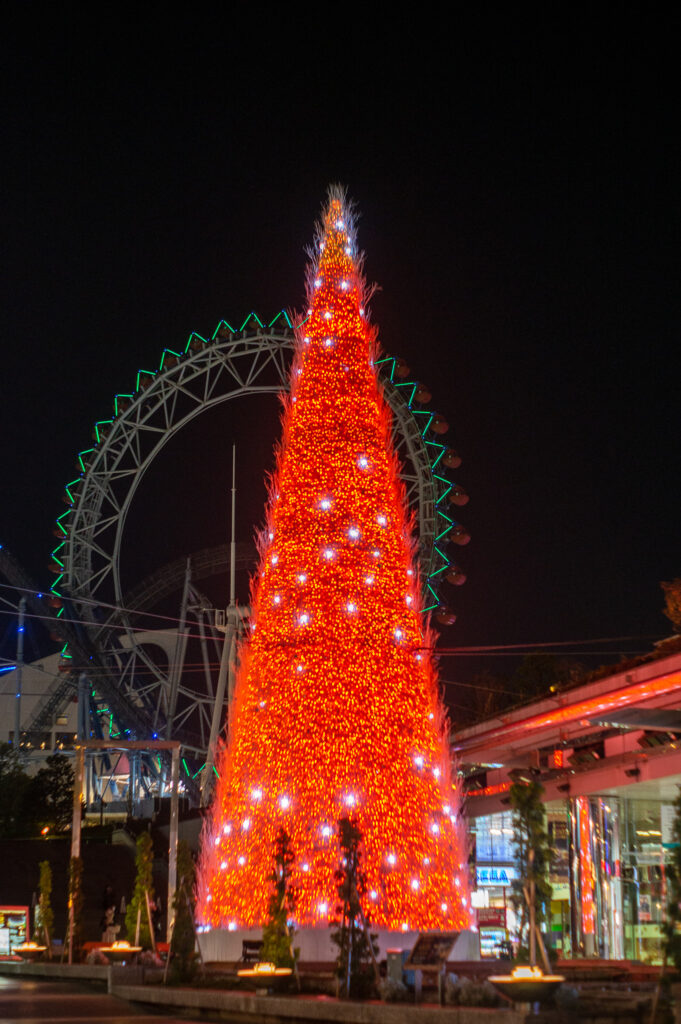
183, 942
277, 936
144, 884
356, 949
45, 926
532, 853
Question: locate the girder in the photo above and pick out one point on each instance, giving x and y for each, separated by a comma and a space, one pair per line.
228, 367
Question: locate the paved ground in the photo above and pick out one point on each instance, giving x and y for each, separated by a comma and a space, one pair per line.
31, 1001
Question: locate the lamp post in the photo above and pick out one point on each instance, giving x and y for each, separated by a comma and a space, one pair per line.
19, 671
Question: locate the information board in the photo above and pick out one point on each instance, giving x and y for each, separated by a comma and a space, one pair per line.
491, 917
499, 876
13, 928
431, 951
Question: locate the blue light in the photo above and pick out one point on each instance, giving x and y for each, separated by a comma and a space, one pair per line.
7, 668
154, 735
20, 629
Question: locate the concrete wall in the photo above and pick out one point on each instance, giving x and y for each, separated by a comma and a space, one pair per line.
220, 945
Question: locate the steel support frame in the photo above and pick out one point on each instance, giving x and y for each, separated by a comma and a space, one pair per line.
226, 368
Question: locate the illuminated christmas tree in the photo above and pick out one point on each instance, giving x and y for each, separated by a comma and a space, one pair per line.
336, 707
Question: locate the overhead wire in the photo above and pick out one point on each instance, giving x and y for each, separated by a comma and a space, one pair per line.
440, 650
495, 650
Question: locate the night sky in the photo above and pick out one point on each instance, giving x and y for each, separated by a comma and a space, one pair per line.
519, 210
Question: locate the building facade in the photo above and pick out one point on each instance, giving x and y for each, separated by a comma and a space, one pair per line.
608, 754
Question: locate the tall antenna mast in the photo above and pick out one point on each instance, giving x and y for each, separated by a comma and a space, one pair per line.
232, 546
226, 671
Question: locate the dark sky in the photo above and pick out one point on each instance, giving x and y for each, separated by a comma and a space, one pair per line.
519, 209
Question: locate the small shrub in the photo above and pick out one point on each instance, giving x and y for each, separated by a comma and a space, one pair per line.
465, 992
95, 956
567, 998
147, 958
394, 991
451, 991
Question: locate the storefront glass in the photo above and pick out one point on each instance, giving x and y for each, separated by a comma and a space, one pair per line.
607, 876
495, 871
643, 878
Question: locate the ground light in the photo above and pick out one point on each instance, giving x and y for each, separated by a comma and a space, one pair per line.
120, 951
264, 970
527, 984
29, 950
266, 974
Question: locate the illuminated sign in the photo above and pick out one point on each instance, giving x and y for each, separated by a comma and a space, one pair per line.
495, 876
13, 928
492, 917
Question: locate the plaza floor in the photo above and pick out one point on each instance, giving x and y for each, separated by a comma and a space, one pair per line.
30, 1001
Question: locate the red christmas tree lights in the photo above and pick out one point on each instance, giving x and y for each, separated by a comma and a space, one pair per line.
336, 706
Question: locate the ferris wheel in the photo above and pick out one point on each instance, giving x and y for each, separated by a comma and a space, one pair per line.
138, 673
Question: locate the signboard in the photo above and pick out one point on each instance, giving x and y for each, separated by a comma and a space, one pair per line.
491, 917
13, 928
667, 815
643, 931
495, 875
492, 941
431, 951
645, 912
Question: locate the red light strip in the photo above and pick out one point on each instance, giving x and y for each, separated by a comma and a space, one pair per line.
622, 698
586, 866
501, 787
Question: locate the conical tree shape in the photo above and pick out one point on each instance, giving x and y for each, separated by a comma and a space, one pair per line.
336, 706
